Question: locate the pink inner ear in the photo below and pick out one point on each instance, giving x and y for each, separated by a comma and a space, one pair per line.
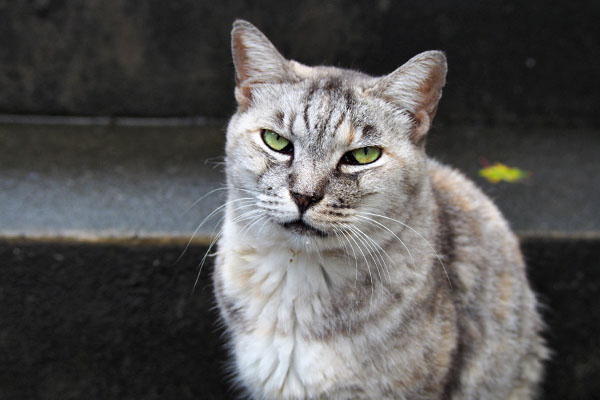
417, 87
243, 96
422, 125
431, 90
239, 58
256, 61
243, 91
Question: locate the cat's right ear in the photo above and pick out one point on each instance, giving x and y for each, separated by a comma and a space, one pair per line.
417, 87
256, 61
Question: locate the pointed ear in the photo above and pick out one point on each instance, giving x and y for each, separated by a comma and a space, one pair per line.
417, 87
256, 61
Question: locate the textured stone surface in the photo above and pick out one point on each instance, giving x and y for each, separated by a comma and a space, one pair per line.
562, 191
509, 61
100, 182
116, 322
102, 322
566, 273
89, 182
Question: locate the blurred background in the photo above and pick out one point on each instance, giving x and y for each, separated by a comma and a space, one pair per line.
112, 119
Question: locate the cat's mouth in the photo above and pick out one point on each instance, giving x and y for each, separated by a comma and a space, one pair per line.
300, 227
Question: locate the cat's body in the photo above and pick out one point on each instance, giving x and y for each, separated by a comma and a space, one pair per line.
394, 278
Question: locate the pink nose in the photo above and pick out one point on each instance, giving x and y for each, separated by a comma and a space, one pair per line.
305, 201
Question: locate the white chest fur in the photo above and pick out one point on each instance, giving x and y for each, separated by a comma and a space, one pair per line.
287, 365
279, 295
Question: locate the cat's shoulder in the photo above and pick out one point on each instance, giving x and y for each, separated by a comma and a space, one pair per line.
449, 181
463, 201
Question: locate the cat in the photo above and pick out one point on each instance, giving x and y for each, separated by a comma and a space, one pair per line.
352, 266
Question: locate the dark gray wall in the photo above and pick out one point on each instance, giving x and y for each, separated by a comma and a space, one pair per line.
117, 322
510, 61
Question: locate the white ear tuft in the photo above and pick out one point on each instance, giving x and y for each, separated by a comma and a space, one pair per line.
417, 87
256, 60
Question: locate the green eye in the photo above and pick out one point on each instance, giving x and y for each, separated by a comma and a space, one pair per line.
276, 142
364, 155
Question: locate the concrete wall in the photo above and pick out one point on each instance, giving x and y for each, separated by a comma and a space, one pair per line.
118, 322
510, 61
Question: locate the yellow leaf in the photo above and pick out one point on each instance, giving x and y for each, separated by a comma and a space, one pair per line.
500, 172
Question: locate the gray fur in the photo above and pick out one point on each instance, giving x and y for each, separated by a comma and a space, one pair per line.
408, 284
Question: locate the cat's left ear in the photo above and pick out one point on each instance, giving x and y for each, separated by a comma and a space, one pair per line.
256, 61
417, 87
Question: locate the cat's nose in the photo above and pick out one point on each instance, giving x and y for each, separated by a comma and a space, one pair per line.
305, 201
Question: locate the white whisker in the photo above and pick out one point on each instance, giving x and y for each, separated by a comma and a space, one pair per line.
371, 220
202, 198
421, 236
219, 208
370, 250
247, 215
353, 252
378, 249
368, 266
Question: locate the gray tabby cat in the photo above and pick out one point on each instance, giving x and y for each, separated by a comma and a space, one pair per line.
351, 266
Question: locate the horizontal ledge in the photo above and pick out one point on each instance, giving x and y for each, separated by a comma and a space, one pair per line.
125, 240
207, 240
66, 120
558, 235
125, 183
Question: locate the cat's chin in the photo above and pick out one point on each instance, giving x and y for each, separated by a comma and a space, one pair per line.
301, 228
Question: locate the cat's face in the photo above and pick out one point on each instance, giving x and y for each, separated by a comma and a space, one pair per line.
315, 150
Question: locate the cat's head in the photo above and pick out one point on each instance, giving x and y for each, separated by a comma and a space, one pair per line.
319, 148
